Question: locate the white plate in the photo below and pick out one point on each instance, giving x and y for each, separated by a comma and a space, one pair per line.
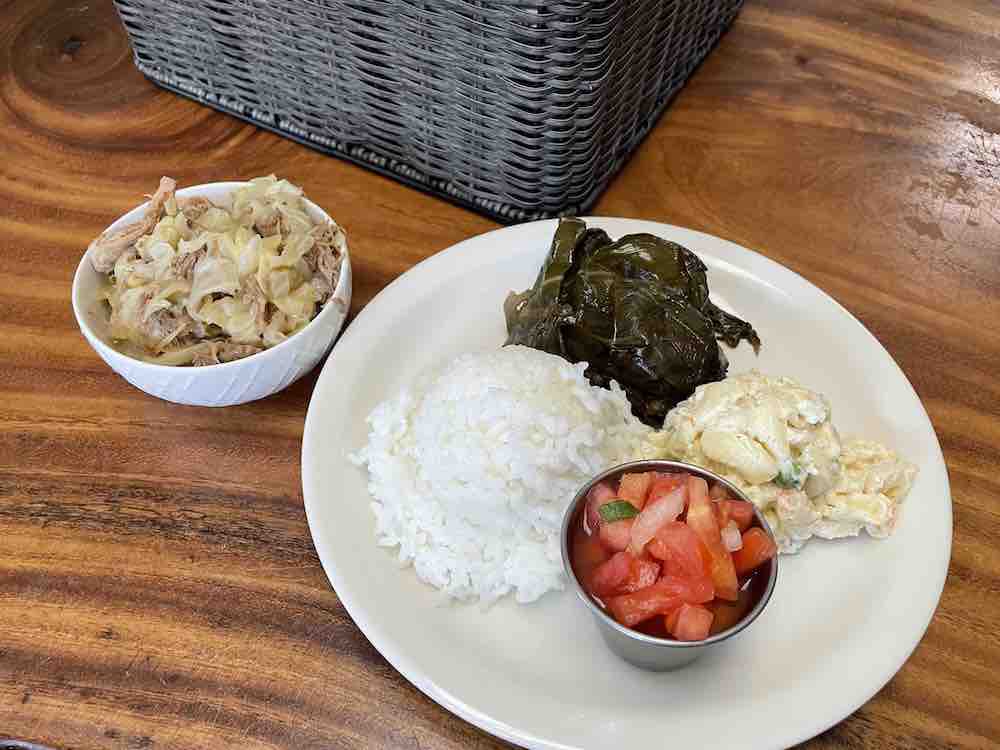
844, 617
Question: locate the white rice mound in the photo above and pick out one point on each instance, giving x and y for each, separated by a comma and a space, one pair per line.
472, 467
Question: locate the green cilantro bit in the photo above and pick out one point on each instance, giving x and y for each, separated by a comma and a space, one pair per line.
617, 510
791, 477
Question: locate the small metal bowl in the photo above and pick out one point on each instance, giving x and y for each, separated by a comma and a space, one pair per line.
639, 649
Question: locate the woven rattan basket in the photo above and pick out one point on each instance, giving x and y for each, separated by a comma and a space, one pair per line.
517, 109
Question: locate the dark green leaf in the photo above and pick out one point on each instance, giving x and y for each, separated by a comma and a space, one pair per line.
536, 314
636, 310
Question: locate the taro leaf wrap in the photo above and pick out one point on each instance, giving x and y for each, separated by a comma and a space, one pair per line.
636, 310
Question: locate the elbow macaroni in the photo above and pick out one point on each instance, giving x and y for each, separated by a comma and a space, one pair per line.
774, 439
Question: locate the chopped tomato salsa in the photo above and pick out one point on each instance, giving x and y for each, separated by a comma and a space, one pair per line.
648, 547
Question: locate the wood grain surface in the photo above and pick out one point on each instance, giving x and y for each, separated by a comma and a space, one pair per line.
158, 585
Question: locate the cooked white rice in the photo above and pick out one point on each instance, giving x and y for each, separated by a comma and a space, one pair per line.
472, 466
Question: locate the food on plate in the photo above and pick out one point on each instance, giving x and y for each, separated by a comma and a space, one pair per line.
194, 283
774, 439
636, 310
679, 565
472, 466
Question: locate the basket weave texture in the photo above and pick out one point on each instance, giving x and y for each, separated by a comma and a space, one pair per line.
517, 109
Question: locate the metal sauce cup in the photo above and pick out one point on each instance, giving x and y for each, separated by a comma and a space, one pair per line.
639, 649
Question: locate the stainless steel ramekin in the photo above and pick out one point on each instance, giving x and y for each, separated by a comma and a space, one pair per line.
646, 651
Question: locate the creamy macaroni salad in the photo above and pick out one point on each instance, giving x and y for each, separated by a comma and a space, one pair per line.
774, 439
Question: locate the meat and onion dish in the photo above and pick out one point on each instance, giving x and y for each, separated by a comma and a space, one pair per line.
195, 283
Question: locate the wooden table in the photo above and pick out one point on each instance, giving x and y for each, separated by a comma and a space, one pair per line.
158, 585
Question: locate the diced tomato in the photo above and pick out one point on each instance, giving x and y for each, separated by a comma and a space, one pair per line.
587, 554
701, 519
694, 590
657, 549
692, 624
615, 536
680, 549
624, 574
600, 494
631, 609
611, 574
658, 511
706, 557
659, 599
738, 511
757, 549
664, 484
645, 572
670, 619
635, 487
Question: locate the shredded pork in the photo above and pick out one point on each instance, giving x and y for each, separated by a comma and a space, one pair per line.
108, 248
194, 283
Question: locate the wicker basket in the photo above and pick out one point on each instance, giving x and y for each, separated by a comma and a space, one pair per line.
517, 109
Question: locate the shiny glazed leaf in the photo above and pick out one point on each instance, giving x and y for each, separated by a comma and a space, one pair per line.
636, 310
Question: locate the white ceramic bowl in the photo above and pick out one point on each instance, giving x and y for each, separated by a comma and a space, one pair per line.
225, 384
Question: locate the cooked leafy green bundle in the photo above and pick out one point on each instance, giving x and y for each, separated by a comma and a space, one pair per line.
636, 310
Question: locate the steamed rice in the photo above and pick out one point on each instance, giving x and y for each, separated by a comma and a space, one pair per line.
473, 465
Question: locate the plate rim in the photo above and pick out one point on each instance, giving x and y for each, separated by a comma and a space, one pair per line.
405, 665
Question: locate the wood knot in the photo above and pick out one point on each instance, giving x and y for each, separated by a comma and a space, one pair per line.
70, 46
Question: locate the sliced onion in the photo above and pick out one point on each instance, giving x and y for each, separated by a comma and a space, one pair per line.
719, 492
661, 511
731, 537
599, 494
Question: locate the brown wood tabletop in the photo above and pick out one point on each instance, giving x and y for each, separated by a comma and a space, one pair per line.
158, 584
